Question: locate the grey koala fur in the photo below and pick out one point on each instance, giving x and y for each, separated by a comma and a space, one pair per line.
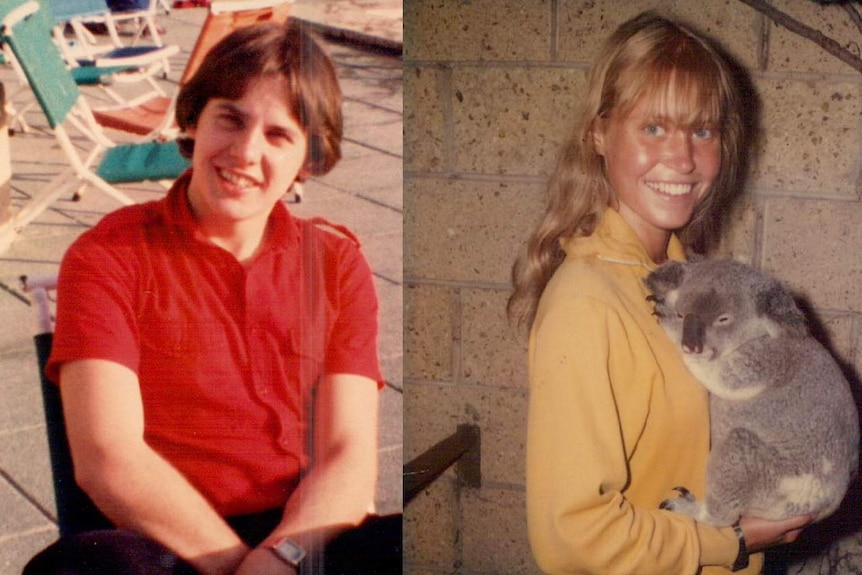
783, 420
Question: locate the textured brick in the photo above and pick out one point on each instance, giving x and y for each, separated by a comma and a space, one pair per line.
431, 526
835, 332
586, 24
502, 416
493, 352
495, 540
809, 129
462, 230
428, 325
814, 247
478, 30
737, 240
424, 120
513, 120
433, 412
789, 52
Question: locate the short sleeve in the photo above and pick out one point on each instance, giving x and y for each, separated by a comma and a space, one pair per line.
353, 341
95, 306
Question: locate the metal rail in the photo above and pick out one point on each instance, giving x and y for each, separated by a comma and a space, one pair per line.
461, 449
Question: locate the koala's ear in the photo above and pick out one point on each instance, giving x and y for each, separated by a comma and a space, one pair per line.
666, 277
774, 302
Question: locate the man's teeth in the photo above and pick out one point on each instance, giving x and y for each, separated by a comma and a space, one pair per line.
236, 179
672, 189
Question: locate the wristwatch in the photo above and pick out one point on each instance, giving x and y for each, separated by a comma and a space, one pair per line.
742, 557
289, 552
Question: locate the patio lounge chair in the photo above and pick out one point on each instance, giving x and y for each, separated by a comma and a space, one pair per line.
76, 513
27, 30
155, 116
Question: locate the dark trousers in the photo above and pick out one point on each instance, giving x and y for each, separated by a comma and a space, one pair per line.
373, 548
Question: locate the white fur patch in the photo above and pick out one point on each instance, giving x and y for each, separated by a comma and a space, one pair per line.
671, 297
708, 373
802, 489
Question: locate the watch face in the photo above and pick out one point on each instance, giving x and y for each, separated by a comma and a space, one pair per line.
289, 552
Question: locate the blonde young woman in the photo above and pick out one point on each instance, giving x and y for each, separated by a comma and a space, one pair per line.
615, 420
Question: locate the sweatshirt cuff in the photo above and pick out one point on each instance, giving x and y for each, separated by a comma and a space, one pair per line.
718, 545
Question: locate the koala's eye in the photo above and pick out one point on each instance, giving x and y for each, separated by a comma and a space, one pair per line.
723, 319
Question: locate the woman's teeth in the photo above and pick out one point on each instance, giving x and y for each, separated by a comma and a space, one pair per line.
671, 189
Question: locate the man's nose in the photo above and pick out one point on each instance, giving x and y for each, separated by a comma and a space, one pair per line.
247, 145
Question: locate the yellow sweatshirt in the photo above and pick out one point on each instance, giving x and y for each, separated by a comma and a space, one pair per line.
615, 423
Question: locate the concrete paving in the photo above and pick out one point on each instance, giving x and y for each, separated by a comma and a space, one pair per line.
364, 192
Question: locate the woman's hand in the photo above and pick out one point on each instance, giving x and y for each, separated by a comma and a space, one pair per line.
763, 533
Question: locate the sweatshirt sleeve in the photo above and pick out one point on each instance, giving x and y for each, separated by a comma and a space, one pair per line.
579, 519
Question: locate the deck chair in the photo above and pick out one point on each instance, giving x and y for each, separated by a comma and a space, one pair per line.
155, 116
27, 30
78, 13
87, 56
142, 20
375, 548
101, 77
76, 513
100, 67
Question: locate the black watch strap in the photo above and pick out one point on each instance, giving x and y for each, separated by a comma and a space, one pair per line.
742, 558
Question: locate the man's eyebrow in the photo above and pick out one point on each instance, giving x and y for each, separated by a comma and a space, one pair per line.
290, 127
229, 106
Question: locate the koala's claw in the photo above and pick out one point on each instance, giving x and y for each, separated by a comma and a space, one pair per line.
684, 493
672, 504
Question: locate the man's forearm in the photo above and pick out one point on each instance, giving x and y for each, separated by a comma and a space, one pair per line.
139, 490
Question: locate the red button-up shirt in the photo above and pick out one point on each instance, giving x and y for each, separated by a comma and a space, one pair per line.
219, 346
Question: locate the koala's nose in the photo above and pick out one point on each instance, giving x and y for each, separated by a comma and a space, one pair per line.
693, 329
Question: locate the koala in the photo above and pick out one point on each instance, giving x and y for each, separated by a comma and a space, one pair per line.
783, 420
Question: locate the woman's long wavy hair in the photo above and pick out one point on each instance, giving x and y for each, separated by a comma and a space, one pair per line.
647, 57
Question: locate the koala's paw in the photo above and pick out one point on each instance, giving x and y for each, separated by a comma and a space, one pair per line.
684, 504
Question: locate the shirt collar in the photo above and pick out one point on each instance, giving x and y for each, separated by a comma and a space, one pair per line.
283, 228
615, 241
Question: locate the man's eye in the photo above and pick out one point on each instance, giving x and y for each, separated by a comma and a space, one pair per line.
229, 121
281, 137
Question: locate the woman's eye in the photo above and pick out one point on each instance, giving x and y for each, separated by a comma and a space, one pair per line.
703, 133
654, 130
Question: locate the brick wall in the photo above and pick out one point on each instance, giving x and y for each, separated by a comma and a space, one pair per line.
491, 88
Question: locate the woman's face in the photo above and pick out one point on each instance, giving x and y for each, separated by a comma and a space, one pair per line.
247, 154
657, 168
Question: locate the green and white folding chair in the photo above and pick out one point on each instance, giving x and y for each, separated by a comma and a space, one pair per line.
26, 29
87, 50
154, 116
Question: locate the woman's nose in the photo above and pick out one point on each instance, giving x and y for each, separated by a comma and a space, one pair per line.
680, 152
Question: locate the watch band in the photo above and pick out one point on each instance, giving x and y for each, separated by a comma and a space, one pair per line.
742, 557
289, 552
